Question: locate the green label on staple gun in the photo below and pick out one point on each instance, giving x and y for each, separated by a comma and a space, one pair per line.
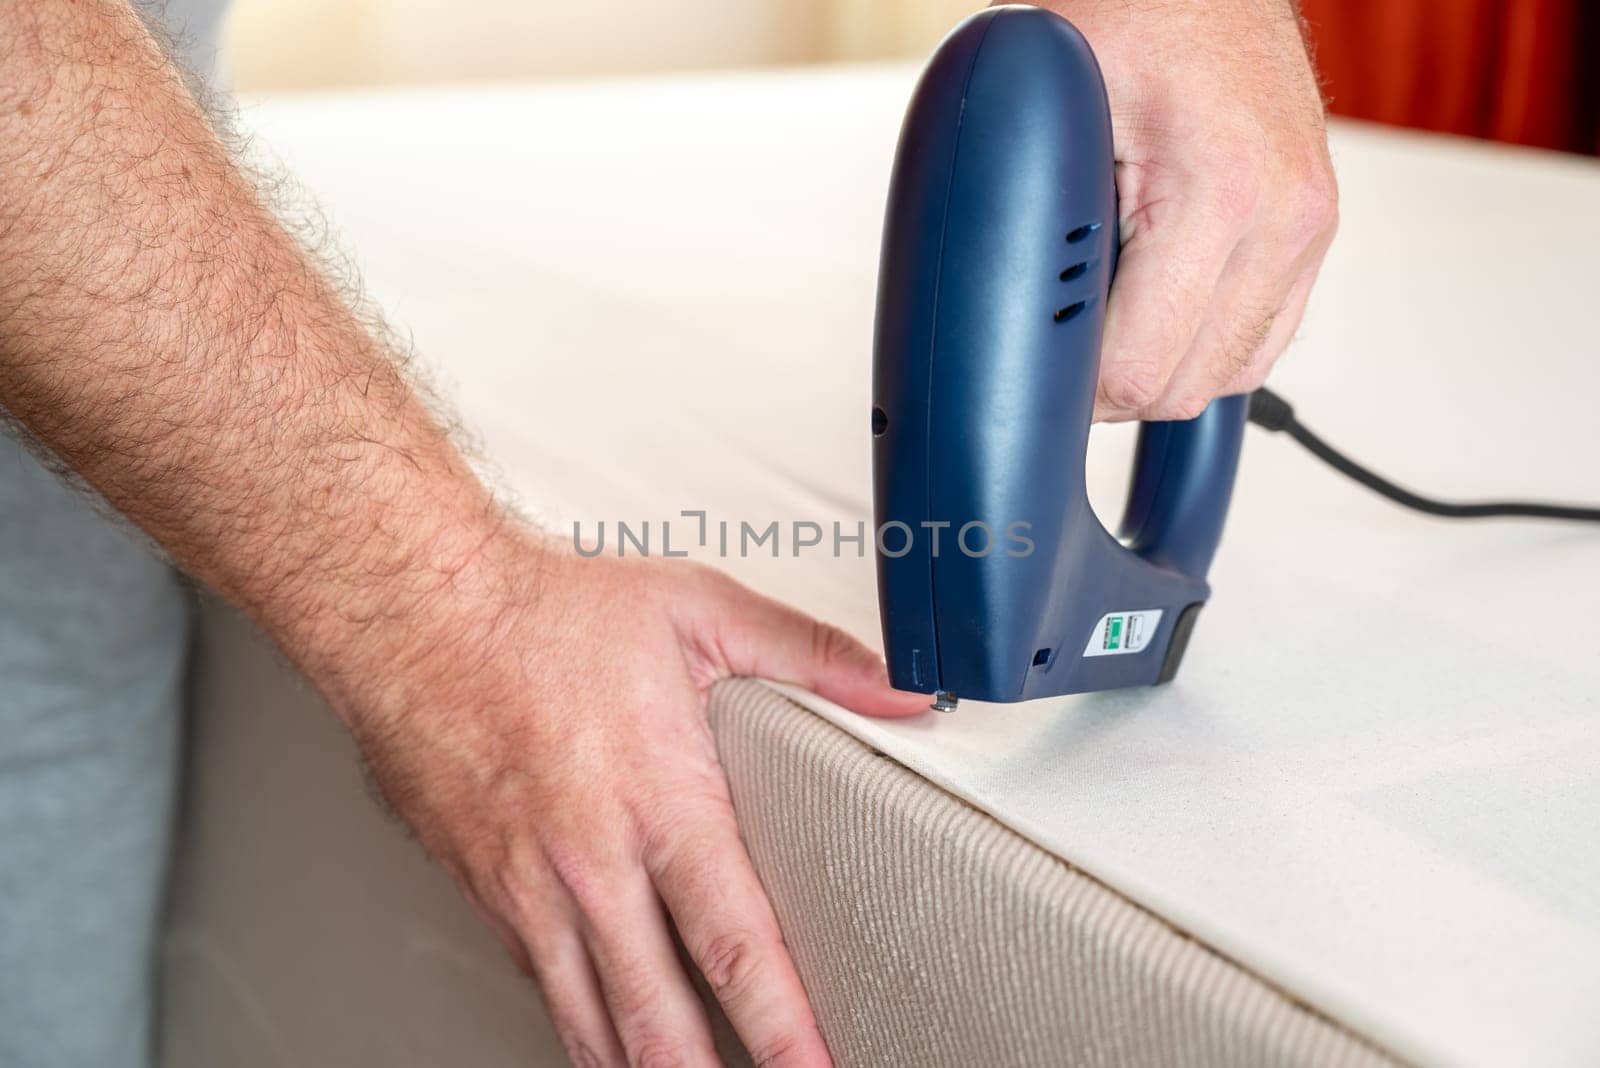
1123, 632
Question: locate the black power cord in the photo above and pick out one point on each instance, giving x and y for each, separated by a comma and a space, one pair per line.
1271, 412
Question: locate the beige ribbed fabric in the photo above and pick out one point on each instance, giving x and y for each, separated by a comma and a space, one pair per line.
928, 934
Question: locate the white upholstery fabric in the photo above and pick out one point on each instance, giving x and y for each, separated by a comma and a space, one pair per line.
1374, 785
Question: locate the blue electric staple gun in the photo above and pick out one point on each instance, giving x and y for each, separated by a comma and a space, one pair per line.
996, 581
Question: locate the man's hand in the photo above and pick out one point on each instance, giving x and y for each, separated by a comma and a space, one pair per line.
1228, 199
562, 768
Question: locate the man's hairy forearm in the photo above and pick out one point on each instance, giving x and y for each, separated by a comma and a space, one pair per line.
164, 336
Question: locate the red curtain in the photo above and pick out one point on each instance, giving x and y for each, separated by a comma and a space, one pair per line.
1524, 71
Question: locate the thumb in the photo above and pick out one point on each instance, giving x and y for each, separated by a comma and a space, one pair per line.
760, 636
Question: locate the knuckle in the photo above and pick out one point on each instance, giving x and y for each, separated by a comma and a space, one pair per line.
1313, 209
1189, 406
829, 644
579, 1051
729, 963
637, 991
776, 1052
1132, 385
654, 1050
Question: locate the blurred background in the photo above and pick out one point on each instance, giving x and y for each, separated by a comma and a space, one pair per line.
1523, 71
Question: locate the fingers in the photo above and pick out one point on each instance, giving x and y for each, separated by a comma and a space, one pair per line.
1253, 316
731, 933
758, 636
610, 972
1216, 268
1240, 323
573, 996
1171, 262
652, 1005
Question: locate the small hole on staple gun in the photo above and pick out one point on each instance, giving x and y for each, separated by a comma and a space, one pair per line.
1041, 658
1076, 271
1071, 311
880, 422
1082, 232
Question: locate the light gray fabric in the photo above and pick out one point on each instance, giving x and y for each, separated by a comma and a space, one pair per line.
929, 934
195, 26
93, 629
93, 633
